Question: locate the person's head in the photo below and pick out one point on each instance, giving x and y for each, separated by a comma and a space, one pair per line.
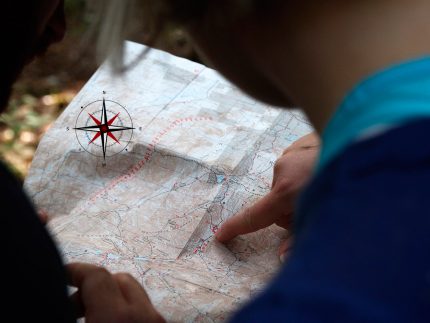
254, 43
308, 53
27, 28
225, 33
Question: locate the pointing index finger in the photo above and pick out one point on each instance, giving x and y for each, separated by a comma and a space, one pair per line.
262, 214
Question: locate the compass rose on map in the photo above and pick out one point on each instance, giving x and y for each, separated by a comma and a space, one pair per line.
104, 128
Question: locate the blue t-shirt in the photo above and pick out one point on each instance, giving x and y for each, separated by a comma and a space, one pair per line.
362, 228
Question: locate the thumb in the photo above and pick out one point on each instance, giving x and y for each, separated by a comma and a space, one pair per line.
263, 213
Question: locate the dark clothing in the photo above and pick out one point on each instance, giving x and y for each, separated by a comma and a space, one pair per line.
33, 278
362, 238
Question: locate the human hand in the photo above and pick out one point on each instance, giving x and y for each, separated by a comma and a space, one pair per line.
109, 298
291, 172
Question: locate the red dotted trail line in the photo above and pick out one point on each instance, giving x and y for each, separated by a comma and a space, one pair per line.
132, 172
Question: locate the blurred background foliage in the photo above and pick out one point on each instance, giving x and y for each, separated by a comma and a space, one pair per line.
50, 82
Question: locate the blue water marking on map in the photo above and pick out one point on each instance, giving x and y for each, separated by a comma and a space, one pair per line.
113, 256
219, 178
292, 137
141, 258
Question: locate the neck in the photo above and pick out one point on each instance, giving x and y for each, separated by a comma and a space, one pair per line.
328, 48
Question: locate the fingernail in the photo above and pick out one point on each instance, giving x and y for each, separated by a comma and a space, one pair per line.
284, 246
283, 257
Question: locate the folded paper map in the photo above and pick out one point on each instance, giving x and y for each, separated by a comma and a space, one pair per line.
140, 170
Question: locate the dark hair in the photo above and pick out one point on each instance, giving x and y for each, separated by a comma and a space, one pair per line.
156, 15
186, 11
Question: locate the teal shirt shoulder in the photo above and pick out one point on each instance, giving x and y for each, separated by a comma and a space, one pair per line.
387, 99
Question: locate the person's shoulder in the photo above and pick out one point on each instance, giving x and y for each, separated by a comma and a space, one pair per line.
377, 189
12, 196
361, 238
395, 150
35, 287
399, 155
